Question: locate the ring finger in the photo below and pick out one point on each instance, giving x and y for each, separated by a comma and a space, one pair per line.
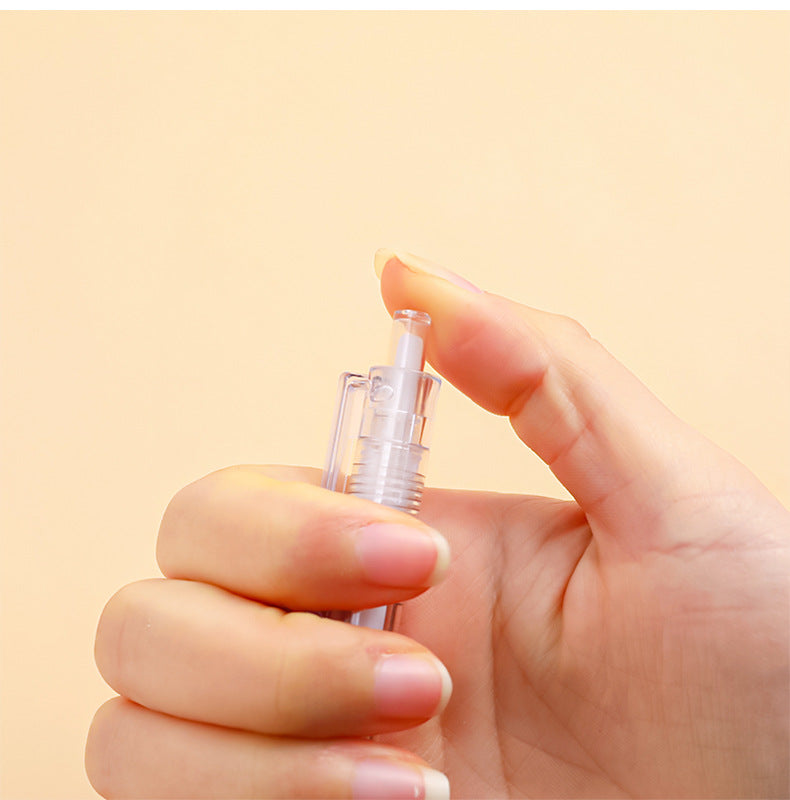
190, 759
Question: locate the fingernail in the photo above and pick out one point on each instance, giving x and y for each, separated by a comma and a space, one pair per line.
418, 264
378, 779
411, 686
402, 555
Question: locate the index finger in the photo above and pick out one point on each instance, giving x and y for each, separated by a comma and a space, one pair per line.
272, 534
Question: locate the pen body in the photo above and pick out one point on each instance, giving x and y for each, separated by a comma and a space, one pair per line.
379, 446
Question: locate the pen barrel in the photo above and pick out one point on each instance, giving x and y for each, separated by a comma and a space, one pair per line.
379, 445
391, 451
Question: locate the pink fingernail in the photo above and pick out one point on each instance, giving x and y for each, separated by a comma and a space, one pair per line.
423, 265
377, 779
411, 686
402, 555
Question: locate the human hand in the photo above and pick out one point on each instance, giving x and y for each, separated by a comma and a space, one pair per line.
631, 643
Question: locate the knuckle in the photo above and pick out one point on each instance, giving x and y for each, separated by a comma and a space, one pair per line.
311, 689
571, 327
290, 680
117, 635
99, 746
175, 520
197, 504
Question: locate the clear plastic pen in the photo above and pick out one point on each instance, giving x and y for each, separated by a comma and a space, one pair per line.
379, 445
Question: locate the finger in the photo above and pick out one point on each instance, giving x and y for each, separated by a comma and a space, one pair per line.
260, 668
621, 453
260, 533
132, 752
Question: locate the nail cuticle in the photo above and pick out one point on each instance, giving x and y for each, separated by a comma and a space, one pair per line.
401, 555
410, 686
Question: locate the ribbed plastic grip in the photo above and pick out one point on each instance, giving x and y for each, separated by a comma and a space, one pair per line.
388, 473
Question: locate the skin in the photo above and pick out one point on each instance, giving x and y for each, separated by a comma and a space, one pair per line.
631, 643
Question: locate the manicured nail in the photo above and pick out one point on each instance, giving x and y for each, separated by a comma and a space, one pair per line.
418, 264
402, 555
378, 779
411, 686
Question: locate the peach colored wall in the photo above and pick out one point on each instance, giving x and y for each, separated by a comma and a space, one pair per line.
189, 208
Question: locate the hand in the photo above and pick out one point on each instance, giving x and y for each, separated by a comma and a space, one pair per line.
631, 643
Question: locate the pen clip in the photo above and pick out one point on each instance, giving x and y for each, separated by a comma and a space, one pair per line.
351, 394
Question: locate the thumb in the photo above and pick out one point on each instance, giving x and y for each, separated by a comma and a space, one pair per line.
617, 449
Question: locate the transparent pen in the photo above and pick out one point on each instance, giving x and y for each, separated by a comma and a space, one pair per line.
379, 444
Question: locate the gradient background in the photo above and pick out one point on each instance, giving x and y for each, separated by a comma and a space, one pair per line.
189, 206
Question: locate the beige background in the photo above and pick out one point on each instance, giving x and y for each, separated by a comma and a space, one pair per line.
189, 209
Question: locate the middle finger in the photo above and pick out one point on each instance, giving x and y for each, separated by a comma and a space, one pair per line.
198, 652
